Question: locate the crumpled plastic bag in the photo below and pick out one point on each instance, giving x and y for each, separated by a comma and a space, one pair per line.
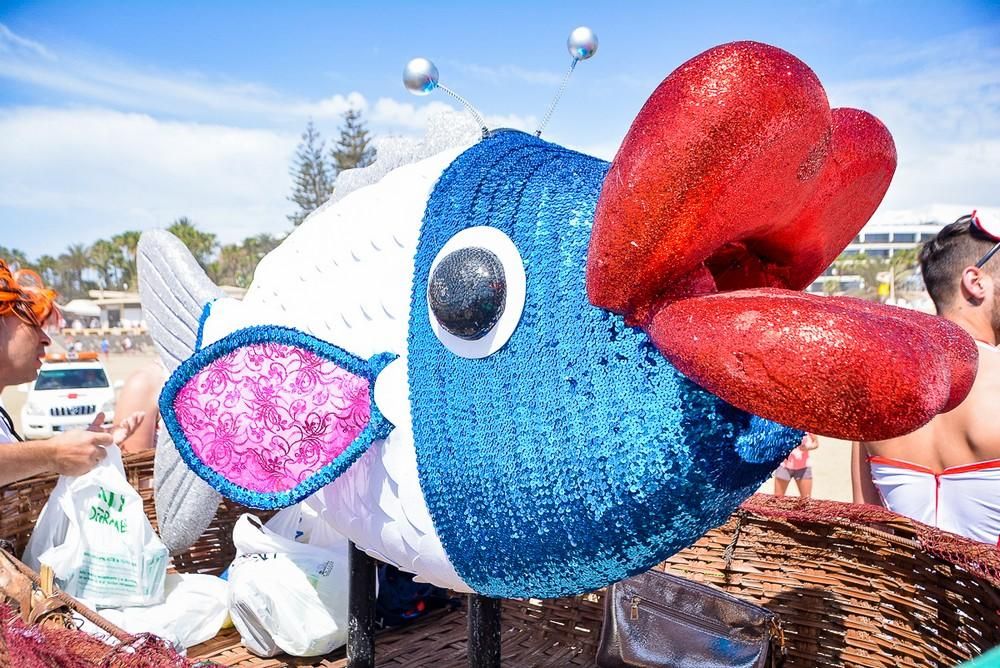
289, 596
194, 610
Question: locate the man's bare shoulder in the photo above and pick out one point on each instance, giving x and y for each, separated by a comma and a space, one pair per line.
989, 365
982, 404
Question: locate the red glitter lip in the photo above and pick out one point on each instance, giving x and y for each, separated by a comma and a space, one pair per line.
735, 176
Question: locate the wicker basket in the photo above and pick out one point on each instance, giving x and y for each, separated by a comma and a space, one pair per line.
854, 586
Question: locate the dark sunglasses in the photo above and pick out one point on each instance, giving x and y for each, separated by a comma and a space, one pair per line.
993, 234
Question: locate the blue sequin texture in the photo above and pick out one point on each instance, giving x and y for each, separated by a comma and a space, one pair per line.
576, 455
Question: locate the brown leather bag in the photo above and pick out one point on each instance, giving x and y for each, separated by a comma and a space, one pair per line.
658, 620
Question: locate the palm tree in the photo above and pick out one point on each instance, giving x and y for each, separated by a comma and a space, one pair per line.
231, 267
201, 244
127, 242
237, 262
48, 268
106, 258
14, 258
903, 264
75, 261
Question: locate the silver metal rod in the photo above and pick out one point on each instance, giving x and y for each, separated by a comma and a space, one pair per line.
555, 100
475, 114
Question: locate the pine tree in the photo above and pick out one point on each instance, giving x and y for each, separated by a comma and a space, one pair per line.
313, 180
354, 148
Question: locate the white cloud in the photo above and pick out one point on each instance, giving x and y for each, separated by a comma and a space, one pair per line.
118, 165
332, 107
404, 114
943, 110
513, 121
113, 171
112, 83
192, 95
9, 42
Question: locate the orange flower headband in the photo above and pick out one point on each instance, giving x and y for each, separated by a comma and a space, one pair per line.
23, 294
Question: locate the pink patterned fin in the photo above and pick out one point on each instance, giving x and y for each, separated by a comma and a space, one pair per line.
272, 420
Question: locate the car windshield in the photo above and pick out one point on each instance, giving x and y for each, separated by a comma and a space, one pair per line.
71, 379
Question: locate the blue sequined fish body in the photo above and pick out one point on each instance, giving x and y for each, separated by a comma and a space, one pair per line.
576, 455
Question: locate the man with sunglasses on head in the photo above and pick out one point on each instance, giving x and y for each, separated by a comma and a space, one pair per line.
947, 473
25, 306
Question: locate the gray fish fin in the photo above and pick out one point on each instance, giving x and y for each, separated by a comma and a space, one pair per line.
185, 504
174, 290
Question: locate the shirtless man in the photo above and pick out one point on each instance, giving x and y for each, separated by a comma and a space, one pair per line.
947, 473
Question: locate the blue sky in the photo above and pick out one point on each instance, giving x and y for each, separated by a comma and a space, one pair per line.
119, 116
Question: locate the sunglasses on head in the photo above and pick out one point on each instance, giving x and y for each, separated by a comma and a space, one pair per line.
30, 311
26, 313
991, 230
23, 294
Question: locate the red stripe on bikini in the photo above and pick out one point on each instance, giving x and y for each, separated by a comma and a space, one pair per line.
963, 468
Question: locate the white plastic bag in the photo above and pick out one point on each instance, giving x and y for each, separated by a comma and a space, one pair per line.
195, 608
298, 523
94, 535
286, 596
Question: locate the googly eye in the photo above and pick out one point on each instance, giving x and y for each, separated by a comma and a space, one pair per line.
475, 292
467, 292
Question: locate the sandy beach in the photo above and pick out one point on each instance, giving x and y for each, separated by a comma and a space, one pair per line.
831, 462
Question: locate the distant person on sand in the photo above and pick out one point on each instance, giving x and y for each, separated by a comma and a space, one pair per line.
947, 473
105, 347
796, 467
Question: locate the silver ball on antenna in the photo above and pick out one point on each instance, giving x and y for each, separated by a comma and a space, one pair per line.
420, 76
582, 43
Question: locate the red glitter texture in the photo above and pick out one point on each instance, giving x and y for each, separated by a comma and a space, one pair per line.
779, 352
736, 174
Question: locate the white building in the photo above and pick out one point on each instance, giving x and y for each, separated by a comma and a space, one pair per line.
114, 309
879, 240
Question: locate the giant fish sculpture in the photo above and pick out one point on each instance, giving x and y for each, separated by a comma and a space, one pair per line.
517, 370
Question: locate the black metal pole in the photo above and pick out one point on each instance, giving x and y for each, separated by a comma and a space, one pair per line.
484, 632
361, 611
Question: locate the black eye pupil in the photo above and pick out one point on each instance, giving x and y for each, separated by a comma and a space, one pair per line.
467, 292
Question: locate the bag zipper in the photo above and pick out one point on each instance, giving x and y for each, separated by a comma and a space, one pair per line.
703, 622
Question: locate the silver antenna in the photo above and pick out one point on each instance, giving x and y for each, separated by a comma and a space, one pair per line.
420, 76
582, 44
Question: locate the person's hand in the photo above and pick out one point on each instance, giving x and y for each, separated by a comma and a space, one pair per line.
120, 431
76, 452
127, 427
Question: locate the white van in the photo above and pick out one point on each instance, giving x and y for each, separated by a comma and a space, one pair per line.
68, 393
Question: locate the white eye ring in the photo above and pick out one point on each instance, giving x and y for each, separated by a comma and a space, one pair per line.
500, 245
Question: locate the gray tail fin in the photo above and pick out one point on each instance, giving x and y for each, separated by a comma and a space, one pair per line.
174, 289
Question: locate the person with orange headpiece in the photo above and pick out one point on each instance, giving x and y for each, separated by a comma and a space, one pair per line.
26, 305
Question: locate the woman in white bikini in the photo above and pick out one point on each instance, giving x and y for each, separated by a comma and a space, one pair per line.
947, 473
